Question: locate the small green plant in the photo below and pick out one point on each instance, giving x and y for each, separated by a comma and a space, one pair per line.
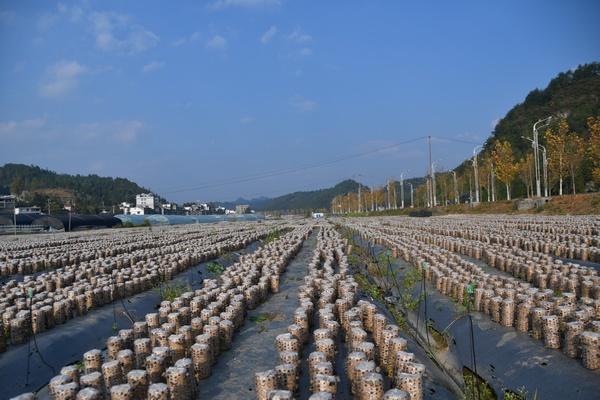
273, 236
366, 285
265, 317
385, 258
353, 259
115, 326
259, 319
476, 387
173, 290
215, 268
520, 394
79, 365
409, 302
413, 276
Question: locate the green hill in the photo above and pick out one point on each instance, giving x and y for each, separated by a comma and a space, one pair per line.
90, 194
320, 200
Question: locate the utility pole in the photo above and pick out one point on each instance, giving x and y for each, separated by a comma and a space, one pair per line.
455, 188
359, 193
388, 194
372, 197
432, 195
493, 178
402, 186
536, 155
395, 199
433, 188
476, 174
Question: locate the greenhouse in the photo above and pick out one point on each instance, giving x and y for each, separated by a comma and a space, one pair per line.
156, 219
74, 222
57, 222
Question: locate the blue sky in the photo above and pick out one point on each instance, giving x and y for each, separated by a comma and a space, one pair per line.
220, 99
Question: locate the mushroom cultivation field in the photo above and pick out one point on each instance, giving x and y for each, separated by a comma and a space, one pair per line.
346, 308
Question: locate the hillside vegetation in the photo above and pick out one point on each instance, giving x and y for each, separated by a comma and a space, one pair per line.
90, 194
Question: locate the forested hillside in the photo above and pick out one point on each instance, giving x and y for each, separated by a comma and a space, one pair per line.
567, 113
316, 200
89, 194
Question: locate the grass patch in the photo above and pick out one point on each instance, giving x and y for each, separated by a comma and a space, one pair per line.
267, 317
440, 339
171, 291
272, 237
375, 291
215, 268
476, 387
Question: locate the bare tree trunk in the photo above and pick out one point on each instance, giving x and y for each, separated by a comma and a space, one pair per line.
560, 180
507, 192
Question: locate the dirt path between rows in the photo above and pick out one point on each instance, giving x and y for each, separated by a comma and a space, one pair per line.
253, 347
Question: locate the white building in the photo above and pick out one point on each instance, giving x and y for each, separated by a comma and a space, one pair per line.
147, 200
136, 211
242, 208
28, 210
8, 202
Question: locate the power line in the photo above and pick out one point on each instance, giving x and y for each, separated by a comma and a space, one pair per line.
455, 140
284, 171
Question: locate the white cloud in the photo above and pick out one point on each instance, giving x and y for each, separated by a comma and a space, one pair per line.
302, 105
247, 120
114, 132
305, 52
98, 165
154, 65
63, 78
268, 35
47, 21
178, 42
75, 13
12, 128
107, 26
18, 67
242, 3
217, 42
300, 37
7, 16
72, 142
186, 105
196, 36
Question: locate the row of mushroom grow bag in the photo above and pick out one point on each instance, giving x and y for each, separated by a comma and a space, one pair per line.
556, 301
375, 352
40, 302
170, 352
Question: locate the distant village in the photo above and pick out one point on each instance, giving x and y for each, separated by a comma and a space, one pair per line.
145, 204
